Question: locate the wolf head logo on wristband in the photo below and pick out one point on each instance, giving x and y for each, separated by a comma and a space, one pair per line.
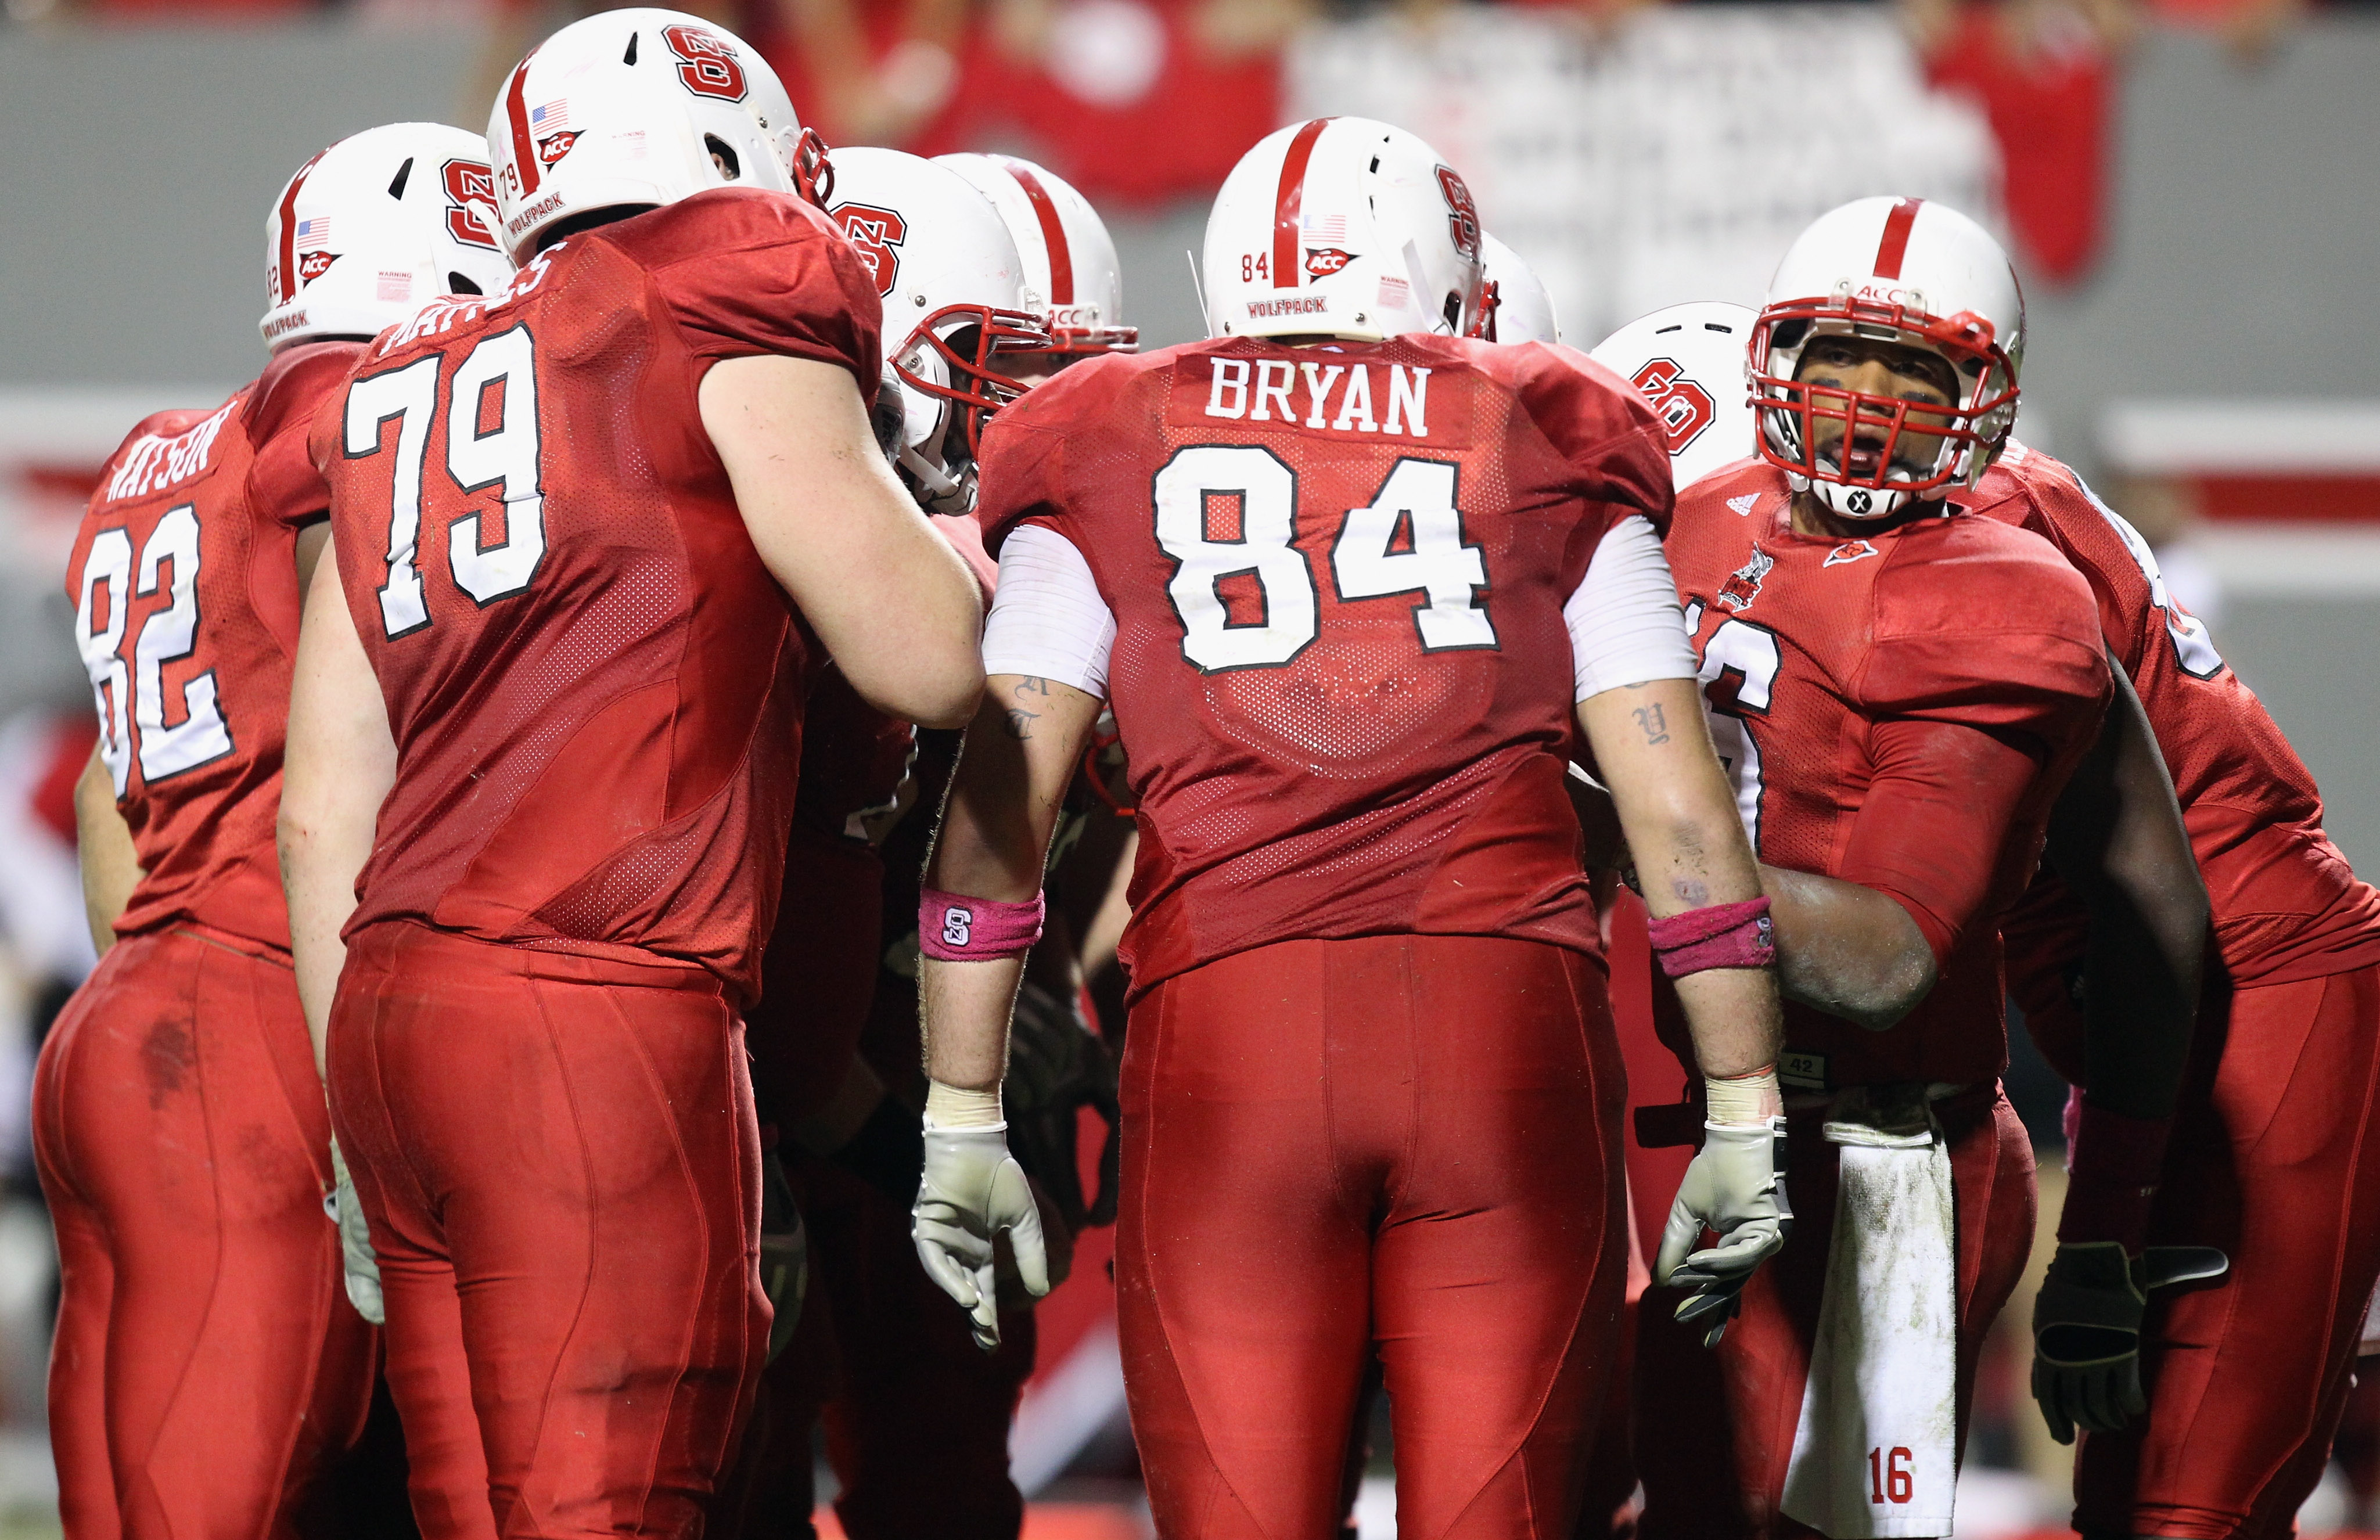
953, 928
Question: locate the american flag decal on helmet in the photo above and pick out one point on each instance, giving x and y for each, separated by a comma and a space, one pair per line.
546, 119
314, 232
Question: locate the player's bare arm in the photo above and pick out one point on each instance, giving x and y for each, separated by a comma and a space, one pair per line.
984, 878
1847, 949
1678, 814
340, 763
892, 603
111, 869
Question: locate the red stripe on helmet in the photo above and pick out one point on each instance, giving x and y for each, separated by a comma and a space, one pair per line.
516, 114
1053, 230
285, 272
1895, 244
1289, 201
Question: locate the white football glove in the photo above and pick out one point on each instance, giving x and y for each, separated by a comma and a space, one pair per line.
356, 1253
1735, 1187
972, 1190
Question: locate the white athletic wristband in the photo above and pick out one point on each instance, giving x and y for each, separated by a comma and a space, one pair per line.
1743, 1099
951, 1106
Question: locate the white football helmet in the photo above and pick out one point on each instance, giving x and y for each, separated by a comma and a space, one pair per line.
1343, 227
956, 307
1896, 270
375, 228
1071, 271
1689, 362
1513, 305
627, 108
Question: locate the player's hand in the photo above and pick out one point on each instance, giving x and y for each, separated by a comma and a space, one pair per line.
1057, 1065
973, 1191
1736, 1188
2087, 1331
356, 1256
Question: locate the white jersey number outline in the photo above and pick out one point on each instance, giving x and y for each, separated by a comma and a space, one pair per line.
133, 696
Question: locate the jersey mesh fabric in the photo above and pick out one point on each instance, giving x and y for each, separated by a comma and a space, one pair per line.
203, 830
602, 761
1941, 620
2287, 906
1365, 785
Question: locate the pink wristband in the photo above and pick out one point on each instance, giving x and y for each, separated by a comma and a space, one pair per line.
1716, 936
953, 928
2112, 1163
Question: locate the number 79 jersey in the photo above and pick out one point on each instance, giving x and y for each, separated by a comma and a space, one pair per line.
1340, 666
594, 683
184, 580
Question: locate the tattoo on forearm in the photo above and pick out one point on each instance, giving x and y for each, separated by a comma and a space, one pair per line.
1694, 894
1020, 719
1655, 722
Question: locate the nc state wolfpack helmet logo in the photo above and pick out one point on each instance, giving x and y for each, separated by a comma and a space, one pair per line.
706, 64
1744, 586
1321, 261
1685, 408
876, 235
468, 182
1464, 214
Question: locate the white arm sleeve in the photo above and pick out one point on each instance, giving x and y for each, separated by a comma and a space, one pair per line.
1047, 620
1626, 626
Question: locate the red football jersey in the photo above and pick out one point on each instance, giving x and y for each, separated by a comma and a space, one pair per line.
2287, 906
1340, 669
184, 578
1824, 662
594, 684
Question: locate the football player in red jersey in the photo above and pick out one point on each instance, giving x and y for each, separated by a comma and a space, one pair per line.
1901, 693
891, 1369
2271, 1159
205, 1369
1355, 585
542, 762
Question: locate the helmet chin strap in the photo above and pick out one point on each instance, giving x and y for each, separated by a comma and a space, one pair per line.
937, 492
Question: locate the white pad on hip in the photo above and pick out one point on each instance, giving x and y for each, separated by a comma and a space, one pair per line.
1875, 1452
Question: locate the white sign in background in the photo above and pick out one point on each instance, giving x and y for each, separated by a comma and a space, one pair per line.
1672, 159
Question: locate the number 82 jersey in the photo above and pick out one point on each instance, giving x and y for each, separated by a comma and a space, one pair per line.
184, 581
1340, 665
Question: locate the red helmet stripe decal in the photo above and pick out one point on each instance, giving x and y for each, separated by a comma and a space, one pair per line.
516, 114
1289, 201
1895, 244
1053, 231
284, 273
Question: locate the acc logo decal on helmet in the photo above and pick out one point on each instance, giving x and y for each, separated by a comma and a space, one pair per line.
555, 146
1464, 214
1684, 407
1323, 260
706, 63
313, 264
876, 235
1744, 586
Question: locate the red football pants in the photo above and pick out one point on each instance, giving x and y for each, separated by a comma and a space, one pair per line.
1400, 1144
1715, 1428
2274, 1159
207, 1366
559, 1161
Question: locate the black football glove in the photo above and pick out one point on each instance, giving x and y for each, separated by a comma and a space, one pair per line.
1056, 1066
2086, 1329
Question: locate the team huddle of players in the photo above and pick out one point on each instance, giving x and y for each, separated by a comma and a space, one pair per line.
510, 706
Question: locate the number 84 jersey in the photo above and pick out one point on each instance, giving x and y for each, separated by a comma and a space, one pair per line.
184, 581
1340, 663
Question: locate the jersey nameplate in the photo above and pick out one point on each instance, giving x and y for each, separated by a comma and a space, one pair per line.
1357, 402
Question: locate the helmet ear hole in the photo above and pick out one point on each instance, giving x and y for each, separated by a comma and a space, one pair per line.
461, 283
404, 173
724, 154
1452, 310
